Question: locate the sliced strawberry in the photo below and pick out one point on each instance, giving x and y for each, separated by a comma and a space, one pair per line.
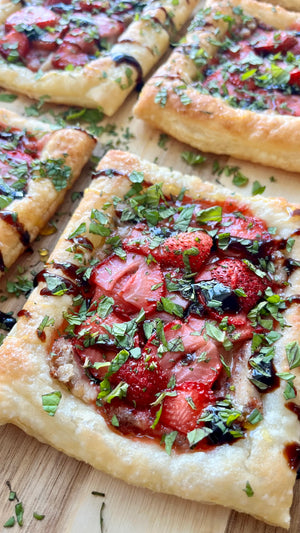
235, 274
273, 42
145, 378
13, 41
244, 227
18, 156
243, 85
55, 2
295, 77
32, 15
193, 246
90, 5
137, 240
133, 283
182, 412
199, 360
69, 54
88, 346
35, 58
49, 40
108, 28
82, 39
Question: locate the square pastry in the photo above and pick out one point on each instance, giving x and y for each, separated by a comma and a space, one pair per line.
38, 165
161, 344
84, 53
232, 86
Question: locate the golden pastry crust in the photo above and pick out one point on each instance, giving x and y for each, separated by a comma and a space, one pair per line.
215, 476
104, 82
287, 4
209, 123
41, 200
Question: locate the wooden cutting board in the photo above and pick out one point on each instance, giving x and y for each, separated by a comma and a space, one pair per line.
50, 483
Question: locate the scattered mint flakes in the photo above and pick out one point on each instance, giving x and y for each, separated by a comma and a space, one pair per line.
293, 354
254, 417
19, 510
53, 169
192, 159
248, 490
5, 97
257, 188
38, 516
10, 522
169, 440
198, 434
51, 401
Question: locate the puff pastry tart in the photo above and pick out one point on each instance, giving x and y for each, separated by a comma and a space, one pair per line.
163, 338
37, 166
233, 84
85, 53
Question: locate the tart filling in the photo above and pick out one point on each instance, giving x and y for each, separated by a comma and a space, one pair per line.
172, 330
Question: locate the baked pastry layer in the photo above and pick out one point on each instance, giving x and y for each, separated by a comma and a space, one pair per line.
218, 475
170, 100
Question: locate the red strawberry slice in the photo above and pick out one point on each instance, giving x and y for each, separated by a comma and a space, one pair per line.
49, 40
69, 54
108, 28
133, 283
273, 42
235, 274
145, 379
137, 240
90, 5
199, 360
244, 227
194, 246
13, 41
32, 15
295, 77
86, 348
182, 412
82, 39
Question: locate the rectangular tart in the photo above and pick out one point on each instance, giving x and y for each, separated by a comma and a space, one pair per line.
232, 84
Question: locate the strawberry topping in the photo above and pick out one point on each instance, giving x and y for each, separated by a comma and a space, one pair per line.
32, 15
187, 248
244, 227
182, 412
133, 283
234, 273
189, 354
145, 378
274, 42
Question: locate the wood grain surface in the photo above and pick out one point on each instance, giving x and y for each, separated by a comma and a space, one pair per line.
50, 483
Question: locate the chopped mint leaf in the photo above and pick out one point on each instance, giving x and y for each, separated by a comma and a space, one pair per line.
248, 490
10, 522
19, 510
5, 97
38, 516
213, 214
51, 401
169, 440
257, 188
114, 421
254, 417
192, 159
198, 434
293, 354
